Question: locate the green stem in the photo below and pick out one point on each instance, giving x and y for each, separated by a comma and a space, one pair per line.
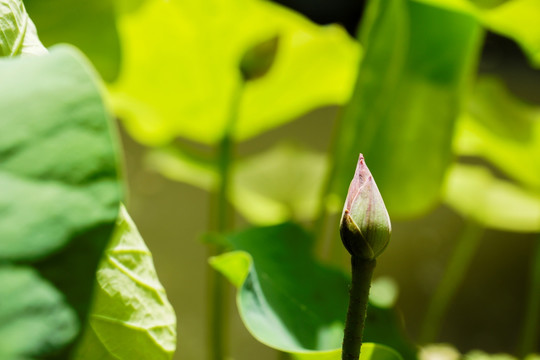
217, 305
362, 271
221, 222
456, 269
531, 325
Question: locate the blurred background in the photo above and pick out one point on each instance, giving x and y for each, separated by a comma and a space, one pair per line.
488, 310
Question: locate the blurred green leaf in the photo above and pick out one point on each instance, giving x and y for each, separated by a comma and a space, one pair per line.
384, 292
481, 355
503, 130
130, 305
277, 185
291, 302
59, 200
280, 184
369, 351
417, 64
516, 19
17, 31
178, 79
439, 351
475, 193
89, 25
182, 166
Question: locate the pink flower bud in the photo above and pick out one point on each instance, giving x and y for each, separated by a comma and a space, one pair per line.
365, 225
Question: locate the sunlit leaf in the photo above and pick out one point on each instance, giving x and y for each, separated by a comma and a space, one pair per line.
17, 31
59, 200
277, 185
291, 302
409, 93
89, 25
369, 351
179, 78
503, 130
130, 305
475, 193
516, 19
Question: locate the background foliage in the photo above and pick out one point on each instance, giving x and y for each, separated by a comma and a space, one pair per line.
449, 127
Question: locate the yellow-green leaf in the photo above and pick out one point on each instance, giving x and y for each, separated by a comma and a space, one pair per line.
503, 130
370, 351
178, 79
131, 317
475, 193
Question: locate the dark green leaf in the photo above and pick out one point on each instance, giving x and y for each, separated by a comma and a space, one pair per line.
291, 302
59, 199
516, 19
417, 63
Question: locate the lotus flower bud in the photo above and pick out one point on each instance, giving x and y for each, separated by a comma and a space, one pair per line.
258, 60
365, 225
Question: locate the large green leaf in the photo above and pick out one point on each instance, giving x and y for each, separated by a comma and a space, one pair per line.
417, 63
271, 187
516, 19
476, 194
291, 302
59, 200
17, 31
504, 131
178, 79
130, 305
89, 25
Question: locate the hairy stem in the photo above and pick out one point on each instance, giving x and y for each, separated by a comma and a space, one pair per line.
531, 324
456, 269
362, 271
221, 222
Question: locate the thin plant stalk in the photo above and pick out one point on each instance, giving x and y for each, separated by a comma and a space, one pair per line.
455, 272
221, 222
531, 324
362, 272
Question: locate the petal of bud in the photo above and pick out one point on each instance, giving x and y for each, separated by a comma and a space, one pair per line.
365, 225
